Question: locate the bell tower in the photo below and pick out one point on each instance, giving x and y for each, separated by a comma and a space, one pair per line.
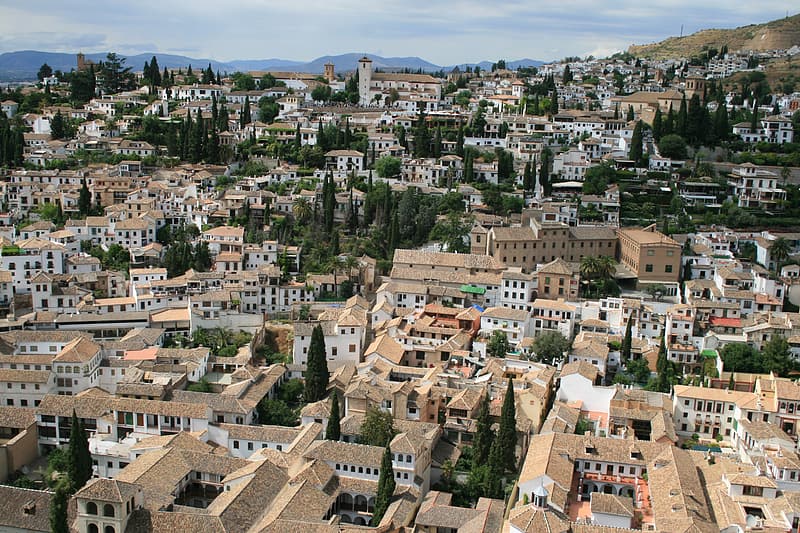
364, 80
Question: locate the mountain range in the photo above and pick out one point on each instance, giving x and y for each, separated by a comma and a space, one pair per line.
24, 64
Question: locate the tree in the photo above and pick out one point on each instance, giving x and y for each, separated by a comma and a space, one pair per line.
658, 125
386, 486
776, 356
635, 152
245, 119
316, 367
598, 177
59, 506
301, 209
550, 347
631, 115
276, 413
625, 352
681, 120
45, 71
377, 428
334, 431
484, 436
672, 146
779, 251
506, 439
80, 460
388, 166
115, 76
498, 344
57, 127
665, 371
741, 357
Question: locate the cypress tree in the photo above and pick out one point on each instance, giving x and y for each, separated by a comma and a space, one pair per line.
484, 436
527, 178
631, 115
386, 486
245, 117
669, 124
680, 124
334, 431
59, 505
437, 142
84, 199
460, 141
316, 367
625, 352
506, 439
658, 125
721, 127
544, 172
394, 233
57, 126
635, 152
80, 460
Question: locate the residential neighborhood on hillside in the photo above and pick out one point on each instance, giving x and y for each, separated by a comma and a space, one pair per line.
562, 298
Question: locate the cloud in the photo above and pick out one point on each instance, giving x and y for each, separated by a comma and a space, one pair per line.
445, 33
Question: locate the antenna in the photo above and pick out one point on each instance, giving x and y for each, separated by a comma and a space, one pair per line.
681, 30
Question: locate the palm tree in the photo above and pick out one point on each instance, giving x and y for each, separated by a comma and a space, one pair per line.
301, 208
606, 267
351, 262
779, 251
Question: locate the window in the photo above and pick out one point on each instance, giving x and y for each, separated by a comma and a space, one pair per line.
236, 445
668, 268
108, 510
91, 508
648, 268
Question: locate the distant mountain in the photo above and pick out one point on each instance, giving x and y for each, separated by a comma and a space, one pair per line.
777, 34
24, 65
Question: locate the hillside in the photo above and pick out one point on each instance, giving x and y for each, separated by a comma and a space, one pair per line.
777, 34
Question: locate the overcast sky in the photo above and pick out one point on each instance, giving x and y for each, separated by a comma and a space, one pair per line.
443, 32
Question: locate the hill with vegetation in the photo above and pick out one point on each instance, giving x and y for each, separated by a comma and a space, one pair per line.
777, 34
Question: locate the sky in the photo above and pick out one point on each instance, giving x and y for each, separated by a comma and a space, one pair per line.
443, 32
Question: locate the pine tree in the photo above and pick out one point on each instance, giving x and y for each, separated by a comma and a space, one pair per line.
484, 436
625, 352
386, 486
84, 199
333, 431
635, 153
59, 505
80, 460
316, 367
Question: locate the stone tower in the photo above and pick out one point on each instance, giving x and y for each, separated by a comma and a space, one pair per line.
329, 72
364, 80
695, 85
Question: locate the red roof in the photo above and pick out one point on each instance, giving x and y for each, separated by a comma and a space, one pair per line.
148, 354
725, 322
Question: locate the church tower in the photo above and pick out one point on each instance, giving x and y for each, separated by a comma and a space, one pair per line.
364, 80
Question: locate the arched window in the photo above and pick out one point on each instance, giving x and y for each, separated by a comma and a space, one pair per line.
93, 528
108, 510
91, 508
109, 529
